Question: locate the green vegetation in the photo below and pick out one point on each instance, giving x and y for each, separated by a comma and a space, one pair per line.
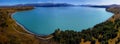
106, 30
103, 32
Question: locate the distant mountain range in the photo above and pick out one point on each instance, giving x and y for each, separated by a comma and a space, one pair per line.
99, 6
43, 5
59, 5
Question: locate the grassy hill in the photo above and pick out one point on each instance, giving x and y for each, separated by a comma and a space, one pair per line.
12, 33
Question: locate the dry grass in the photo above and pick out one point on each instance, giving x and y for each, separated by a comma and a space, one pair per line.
12, 33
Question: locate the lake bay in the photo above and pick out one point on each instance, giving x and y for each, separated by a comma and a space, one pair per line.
45, 20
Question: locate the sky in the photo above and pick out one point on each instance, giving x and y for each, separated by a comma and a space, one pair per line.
94, 2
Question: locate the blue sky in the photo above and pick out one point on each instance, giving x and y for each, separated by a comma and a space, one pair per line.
97, 2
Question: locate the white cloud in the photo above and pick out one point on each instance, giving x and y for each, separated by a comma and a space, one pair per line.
102, 2
110, 2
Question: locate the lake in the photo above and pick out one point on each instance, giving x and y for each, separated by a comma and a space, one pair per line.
45, 20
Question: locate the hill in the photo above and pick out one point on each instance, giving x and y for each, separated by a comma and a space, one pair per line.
13, 33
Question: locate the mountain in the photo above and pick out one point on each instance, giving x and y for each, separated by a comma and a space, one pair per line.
59, 5
100, 6
43, 5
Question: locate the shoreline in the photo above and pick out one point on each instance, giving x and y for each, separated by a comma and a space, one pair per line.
12, 31
20, 24
43, 37
17, 33
27, 30
24, 27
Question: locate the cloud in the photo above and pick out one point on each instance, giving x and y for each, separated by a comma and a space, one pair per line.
110, 2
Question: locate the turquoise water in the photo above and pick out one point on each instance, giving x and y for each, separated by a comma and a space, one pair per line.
43, 20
